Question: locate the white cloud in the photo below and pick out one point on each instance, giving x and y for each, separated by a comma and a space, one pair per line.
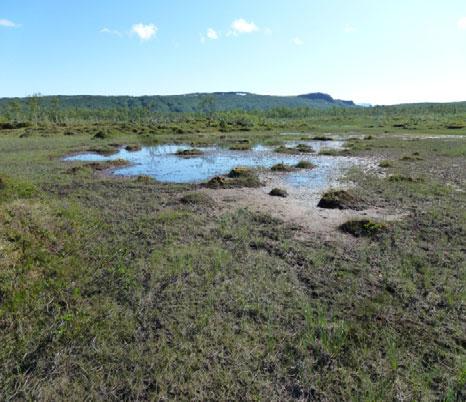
297, 41
145, 32
111, 31
349, 28
212, 34
462, 23
241, 26
8, 24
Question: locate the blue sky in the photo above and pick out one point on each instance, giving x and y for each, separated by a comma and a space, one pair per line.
366, 50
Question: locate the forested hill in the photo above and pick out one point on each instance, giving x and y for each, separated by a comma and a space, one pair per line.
196, 102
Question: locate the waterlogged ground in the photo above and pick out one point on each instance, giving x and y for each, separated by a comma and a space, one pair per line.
163, 164
116, 288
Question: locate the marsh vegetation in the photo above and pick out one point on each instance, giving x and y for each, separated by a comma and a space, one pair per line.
130, 287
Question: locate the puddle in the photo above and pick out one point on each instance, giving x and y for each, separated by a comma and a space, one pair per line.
162, 163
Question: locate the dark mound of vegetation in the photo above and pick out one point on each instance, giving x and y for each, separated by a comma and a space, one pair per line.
240, 171
143, 179
2, 184
102, 135
409, 158
217, 182
99, 166
304, 149
104, 151
363, 227
133, 147
322, 138
408, 179
281, 167
305, 165
70, 132
240, 147
242, 180
338, 199
285, 150
385, 164
278, 192
12, 125
455, 126
189, 152
197, 198
298, 149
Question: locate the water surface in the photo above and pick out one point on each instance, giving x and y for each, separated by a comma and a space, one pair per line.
162, 163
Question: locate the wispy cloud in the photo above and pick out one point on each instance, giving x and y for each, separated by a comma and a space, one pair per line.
111, 31
349, 28
212, 34
297, 41
7, 23
144, 31
241, 26
462, 23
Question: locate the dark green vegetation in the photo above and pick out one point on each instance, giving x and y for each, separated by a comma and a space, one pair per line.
237, 178
339, 199
197, 198
278, 192
189, 103
185, 114
298, 149
189, 152
305, 165
363, 227
116, 288
281, 167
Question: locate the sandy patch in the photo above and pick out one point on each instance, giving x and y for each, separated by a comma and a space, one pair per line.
299, 208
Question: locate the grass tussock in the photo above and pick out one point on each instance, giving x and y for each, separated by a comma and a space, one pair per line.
197, 199
240, 147
278, 192
398, 178
133, 147
385, 164
305, 165
189, 152
281, 167
240, 171
339, 199
244, 180
363, 227
298, 149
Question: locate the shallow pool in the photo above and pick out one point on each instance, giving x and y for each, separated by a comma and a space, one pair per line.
162, 163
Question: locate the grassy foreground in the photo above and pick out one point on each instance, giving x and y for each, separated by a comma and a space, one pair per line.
114, 288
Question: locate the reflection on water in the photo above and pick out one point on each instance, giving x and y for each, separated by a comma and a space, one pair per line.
162, 163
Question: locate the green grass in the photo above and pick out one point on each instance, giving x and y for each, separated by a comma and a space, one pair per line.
114, 289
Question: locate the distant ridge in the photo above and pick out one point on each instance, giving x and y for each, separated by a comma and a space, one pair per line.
320, 96
194, 102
